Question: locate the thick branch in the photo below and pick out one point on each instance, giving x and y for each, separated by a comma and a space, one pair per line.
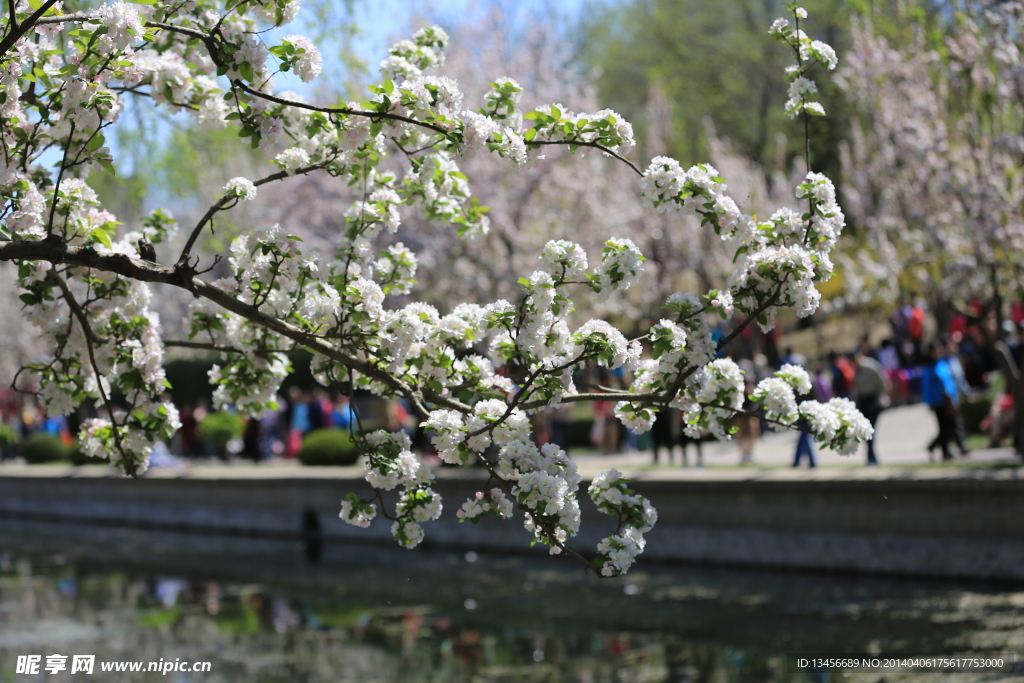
12, 13
596, 396
91, 16
18, 30
183, 277
180, 343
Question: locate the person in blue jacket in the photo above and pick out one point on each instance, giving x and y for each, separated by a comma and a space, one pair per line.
941, 393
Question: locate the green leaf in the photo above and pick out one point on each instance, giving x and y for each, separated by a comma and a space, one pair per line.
100, 235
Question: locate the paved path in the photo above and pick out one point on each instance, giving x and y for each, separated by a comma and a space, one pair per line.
901, 443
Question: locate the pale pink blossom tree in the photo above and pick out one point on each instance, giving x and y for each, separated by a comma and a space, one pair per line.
933, 177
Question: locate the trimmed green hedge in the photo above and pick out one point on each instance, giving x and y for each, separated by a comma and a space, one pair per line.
328, 447
217, 429
42, 447
7, 437
7, 440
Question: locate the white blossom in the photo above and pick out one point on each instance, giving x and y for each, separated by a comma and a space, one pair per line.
242, 188
308, 65
292, 159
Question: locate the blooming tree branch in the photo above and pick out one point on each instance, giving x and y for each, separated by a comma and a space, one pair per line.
475, 373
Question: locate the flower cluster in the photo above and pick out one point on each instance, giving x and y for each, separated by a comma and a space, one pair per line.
449, 435
494, 502
621, 264
241, 188
779, 260
677, 348
89, 352
605, 128
837, 424
409, 58
546, 486
612, 495
808, 53
298, 53
776, 396
388, 463
717, 394
356, 512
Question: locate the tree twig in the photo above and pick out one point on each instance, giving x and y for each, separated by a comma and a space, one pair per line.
69, 297
222, 204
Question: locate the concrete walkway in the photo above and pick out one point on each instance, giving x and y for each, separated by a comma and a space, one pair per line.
900, 444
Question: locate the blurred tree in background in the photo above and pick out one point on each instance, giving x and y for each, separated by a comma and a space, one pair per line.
715, 60
712, 60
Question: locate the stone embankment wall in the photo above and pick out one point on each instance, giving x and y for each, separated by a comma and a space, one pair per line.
955, 527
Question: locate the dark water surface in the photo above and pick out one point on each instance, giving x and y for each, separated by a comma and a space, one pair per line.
259, 610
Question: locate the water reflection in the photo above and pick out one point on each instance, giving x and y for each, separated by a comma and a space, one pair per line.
258, 611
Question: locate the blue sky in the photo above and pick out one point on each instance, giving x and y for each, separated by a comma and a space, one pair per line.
382, 20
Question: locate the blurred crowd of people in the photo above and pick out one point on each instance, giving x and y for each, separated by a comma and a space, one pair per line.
277, 432
954, 366
21, 415
944, 366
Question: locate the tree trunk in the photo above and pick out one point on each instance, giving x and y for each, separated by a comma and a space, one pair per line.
1015, 386
997, 300
943, 310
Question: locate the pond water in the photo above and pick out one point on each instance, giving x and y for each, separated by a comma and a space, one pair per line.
259, 610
